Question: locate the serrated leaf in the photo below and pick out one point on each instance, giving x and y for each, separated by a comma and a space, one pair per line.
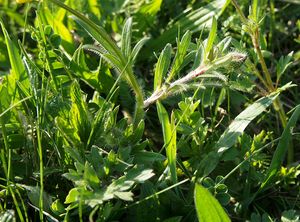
90, 176
283, 64
207, 207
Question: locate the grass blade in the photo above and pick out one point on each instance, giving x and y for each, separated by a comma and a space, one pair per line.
211, 37
235, 129
169, 133
101, 36
239, 124
281, 149
207, 207
14, 57
194, 21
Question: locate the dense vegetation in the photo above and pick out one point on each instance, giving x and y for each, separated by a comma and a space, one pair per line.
149, 110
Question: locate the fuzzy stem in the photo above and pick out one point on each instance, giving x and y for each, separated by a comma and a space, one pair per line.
165, 90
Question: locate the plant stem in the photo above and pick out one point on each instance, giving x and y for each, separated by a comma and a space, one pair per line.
239, 11
165, 89
254, 33
40, 152
255, 42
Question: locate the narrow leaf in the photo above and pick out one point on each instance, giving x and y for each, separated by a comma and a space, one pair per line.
14, 57
193, 20
282, 147
137, 48
211, 37
239, 124
162, 66
182, 48
126, 38
169, 134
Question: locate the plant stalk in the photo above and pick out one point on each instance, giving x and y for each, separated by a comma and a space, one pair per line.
267, 75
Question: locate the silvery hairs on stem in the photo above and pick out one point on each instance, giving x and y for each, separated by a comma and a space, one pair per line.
165, 90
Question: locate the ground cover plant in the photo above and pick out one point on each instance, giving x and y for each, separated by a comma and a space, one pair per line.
159, 110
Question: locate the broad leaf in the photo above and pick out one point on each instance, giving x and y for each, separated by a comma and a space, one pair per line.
207, 207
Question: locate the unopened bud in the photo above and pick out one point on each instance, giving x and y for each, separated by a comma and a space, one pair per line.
232, 57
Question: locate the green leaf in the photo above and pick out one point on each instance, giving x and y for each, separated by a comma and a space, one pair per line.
169, 134
182, 47
192, 20
207, 207
211, 37
281, 148
57, 207
59, 28
8, 216
290, 216
80, 118
136, 175
143, 157
34, 197
90, 176
254, 13
282, 65
137, 48
126, 38
108, 45
72, 196
162, 66
235, 129
15, 59
94, 7
239, 124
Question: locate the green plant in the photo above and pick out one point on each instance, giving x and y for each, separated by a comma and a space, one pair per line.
153, 110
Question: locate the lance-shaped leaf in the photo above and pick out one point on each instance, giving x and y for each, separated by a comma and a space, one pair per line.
207, 207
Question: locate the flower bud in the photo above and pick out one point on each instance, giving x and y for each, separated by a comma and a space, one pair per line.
232, 57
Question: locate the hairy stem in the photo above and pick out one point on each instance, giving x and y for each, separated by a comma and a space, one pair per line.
166, 89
